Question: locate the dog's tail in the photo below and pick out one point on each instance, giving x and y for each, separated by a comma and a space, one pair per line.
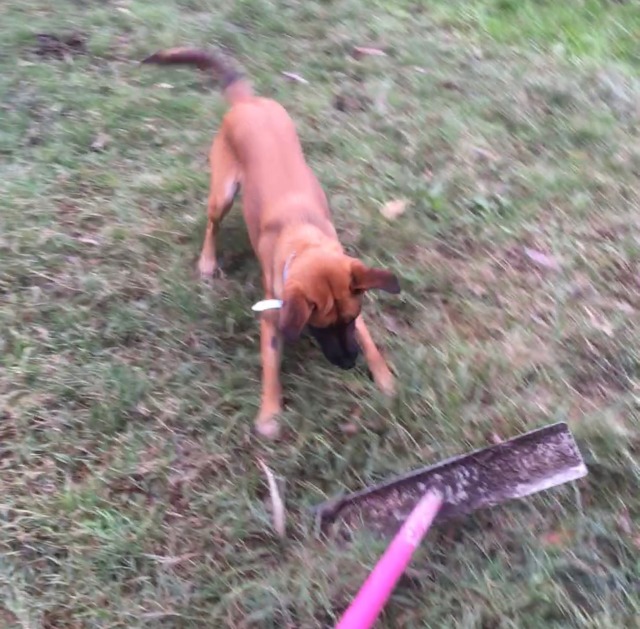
235, 86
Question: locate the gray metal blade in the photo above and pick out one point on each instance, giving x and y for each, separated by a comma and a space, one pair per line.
527, 464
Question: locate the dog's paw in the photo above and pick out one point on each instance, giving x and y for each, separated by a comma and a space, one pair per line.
385, 381
208, 268
267, 425
268, 430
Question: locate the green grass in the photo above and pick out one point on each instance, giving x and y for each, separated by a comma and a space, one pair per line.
130, 491
581, 29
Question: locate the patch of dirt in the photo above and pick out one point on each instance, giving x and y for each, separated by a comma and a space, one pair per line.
469, 324
473, 268
586, 585
458, 247
60, 618
350, 102
525, 259
624, 273
599, 365
51, 46
480, 290
524, 351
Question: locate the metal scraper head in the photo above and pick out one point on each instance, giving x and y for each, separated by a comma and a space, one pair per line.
527, 464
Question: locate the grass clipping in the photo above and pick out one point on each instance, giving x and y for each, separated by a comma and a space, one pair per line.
278, 513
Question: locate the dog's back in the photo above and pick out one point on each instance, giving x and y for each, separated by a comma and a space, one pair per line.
259, 127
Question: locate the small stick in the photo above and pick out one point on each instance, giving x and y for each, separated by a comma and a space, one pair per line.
292, 76
277, 504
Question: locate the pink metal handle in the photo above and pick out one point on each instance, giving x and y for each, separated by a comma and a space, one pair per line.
368, 603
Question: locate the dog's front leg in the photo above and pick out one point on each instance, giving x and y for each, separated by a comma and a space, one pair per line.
270, 354
382, 375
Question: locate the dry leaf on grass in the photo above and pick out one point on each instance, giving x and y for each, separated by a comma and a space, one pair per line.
350, 429
392, 324
100, 142
88, 241
542, 259
392, 209
292, 76
367, 51
277, 504
599, 322
624, 522
171, 561
555, 538
484, 154
623, 306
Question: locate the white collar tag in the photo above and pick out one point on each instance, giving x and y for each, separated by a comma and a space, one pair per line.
267, 304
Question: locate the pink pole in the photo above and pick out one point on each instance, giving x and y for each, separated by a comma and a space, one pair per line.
368, 603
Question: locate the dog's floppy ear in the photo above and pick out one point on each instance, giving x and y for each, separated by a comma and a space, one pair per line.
365, 278
294, 315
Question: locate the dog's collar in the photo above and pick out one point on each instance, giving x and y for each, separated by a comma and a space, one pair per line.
275, 304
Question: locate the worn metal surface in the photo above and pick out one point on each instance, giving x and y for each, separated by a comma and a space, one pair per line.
532, 462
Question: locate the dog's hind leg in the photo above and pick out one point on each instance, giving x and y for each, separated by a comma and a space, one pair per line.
224, 187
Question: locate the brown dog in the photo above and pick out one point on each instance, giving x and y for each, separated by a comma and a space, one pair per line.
290, 228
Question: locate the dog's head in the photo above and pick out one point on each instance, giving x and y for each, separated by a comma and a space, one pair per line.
325, 293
